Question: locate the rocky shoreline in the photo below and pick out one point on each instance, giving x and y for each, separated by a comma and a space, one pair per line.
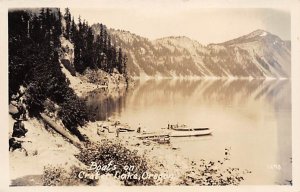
30, 168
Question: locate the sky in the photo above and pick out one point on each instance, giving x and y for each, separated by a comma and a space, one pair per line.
206, 25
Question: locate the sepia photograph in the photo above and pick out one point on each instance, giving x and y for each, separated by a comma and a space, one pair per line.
149, 94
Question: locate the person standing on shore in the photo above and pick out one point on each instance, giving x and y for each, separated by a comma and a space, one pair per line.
117, 132
139, 129
19, 129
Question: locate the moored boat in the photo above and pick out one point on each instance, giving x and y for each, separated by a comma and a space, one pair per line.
125, 129
184, 131
160, 138
190, 132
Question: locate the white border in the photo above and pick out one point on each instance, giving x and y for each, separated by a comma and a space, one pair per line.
292, 5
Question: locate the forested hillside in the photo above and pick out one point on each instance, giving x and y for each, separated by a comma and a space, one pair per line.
93, 50
35, 54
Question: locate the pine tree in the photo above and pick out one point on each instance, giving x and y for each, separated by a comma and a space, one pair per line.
79, 48
109, 54
101, 37
48, 23
42, 19
57, 31
114, 57
67, 17
97, 52
73, 32
36, 30
89, 49
120, 61
104, 39
58, 25
124, 71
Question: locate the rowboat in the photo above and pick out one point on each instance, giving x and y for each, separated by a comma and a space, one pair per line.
125, 129
160, 138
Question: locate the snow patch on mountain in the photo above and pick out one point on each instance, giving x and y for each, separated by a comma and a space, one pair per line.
263, 34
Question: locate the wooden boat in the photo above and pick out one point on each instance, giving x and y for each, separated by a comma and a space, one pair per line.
160, 138
126, 129
190, 132
184, 131
122, 127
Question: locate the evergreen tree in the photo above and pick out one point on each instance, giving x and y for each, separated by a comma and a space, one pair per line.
120, 61
98, 52
73, 32
57, 32
36, 30
101, 37
89, 49
104, 39
114, 58
78, 48
67, 17
124, 70
42, 19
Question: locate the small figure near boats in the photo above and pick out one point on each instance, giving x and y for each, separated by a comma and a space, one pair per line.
117, 132
138, 129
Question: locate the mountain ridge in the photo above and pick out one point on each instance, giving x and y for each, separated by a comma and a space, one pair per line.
259, 54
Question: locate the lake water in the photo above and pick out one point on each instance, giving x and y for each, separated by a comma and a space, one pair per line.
252, 118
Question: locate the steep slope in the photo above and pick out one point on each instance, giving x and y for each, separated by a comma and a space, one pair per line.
271, 54
259, 54
186, 58
166, 57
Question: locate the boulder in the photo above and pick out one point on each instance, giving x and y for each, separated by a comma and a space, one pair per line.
13, 110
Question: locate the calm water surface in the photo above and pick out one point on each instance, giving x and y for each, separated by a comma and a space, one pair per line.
252, 118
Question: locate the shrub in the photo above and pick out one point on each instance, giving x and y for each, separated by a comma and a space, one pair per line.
73, 113
59, 176
106, 152
35, 98
50, 107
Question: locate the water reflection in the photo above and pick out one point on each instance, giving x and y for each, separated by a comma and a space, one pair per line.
253, 117
104, 103
221, 92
